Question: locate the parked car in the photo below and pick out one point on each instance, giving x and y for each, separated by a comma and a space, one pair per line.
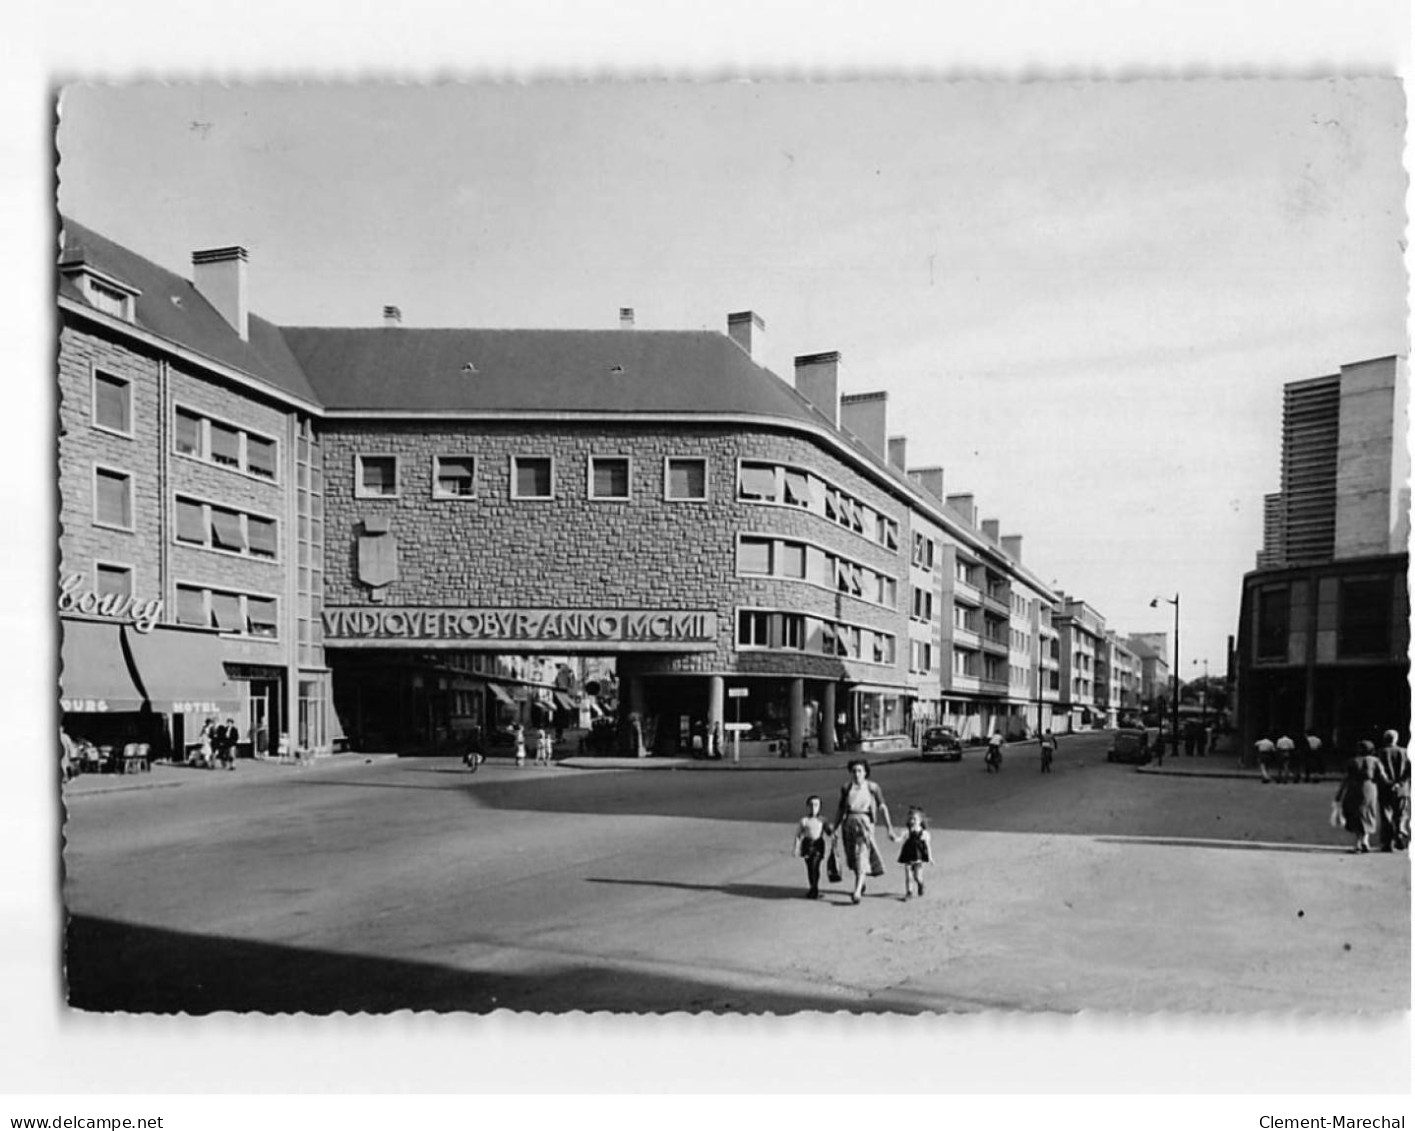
942, 743
1134, 745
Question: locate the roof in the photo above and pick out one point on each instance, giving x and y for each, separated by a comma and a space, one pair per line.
393, 369
172, 308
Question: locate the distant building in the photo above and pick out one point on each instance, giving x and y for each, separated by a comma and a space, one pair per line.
1323, 634
1151, 651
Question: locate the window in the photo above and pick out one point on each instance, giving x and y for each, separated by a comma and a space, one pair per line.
238, 613
191, 606
226, 612
191, 522
532, 477
110, 300
189, 433
792, 560
226, 532
260, 456
685, 479
757, 482
260, 616
114, 580
798, 488
754, 555
260, 536
609, 477
454, 477
923, 551
923, 604
225, 445
377, 477
219, 528
1365, 617
1272, 623
771, 630
113, 498
112, 403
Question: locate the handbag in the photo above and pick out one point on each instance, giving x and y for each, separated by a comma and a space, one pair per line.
832, 865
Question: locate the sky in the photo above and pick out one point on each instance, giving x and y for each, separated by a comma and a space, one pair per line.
1083, 298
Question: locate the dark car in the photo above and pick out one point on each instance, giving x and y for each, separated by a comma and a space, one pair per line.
942, 743
1133, 745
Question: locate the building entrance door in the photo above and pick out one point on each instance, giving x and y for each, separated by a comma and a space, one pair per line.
259, 717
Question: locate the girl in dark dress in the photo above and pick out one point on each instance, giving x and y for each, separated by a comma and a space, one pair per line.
916, 851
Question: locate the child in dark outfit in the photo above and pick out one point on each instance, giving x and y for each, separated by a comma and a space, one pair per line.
916, 851
809, 844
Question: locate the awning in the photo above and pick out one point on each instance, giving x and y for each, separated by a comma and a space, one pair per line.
95, 677
181, 671
500, 692
110, 667
565, 701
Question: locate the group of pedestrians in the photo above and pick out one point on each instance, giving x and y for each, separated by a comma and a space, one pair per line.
860, 808
1373, 799
992, 760
545, 745
216, 745
1290, 761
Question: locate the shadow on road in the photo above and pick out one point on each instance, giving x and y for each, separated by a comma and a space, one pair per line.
1196, 842
124, 967
747, 891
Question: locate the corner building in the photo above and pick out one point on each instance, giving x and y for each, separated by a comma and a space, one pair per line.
464, 520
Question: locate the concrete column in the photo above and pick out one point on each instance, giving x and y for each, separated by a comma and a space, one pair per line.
827, 721
798, 718
715, 701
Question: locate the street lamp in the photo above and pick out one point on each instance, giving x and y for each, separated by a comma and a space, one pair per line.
1204, 691
1174, 672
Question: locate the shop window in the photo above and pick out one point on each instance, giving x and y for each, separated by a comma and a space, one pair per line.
532, 477
454, 477
609, 477
113, 498
754, 555
685, 479
1273, 611
113, 580
1364, 624
112, 403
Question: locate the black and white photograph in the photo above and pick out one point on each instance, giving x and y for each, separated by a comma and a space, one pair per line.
926, 550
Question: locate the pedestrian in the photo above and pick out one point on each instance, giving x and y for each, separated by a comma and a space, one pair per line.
1191, 738
518, 737
1286, 759
916, 852
809, 844
226, 738
1395, 824
545, 747
1313, 765
1048, 751
68, 756
714, 750
1359, 795
861, 806
206, 739
1266, 751
992, 761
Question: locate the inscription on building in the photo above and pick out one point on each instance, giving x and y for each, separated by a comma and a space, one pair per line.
142, 614
613, 629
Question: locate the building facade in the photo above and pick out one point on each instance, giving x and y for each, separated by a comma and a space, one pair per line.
393, 536
1323, 634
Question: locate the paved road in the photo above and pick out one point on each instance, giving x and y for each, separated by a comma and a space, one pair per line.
411, 884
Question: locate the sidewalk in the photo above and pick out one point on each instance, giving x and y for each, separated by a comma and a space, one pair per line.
760, 762
1223, 764
164, 775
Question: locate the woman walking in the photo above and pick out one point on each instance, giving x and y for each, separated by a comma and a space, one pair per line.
861, 805
1360, 796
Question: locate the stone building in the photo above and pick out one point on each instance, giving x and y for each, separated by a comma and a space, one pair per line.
399, 534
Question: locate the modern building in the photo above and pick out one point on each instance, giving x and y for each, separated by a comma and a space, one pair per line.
1152, 654
1085, 699
393, 535
1324, 634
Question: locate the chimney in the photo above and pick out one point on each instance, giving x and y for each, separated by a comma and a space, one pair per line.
864, 415
747, 329
626, 318
897, 447
1012, 544
992, 529
930, 479
220, 277
818, 380
963, 505
392, 316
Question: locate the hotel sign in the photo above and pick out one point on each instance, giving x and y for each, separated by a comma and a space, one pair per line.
143, 615
554, 630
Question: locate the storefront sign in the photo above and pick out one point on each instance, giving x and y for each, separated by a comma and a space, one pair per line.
143, 615
553, 628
